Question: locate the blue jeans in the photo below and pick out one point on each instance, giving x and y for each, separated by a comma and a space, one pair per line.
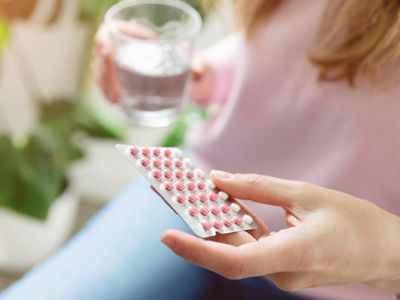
118, 255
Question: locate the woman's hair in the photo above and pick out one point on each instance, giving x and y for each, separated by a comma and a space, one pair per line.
355, 37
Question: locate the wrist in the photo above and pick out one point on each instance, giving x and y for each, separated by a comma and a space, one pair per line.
390, 269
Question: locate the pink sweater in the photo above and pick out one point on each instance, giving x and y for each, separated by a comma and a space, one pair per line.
278, 120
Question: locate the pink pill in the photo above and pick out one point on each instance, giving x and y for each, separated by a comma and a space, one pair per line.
167, 163
206, 225
189, 174
192, 198
168, 174
237, 220
217, 224
146, 151
180, 186
225, 209
156, 152
180, 198
167, 153
204, 211
157, 163
213, 197
201, 185
215, 210
227, 223
192, 211
168, 186
145, 162
178, 174
179, 164
134, 151
203, 197
157, 174
191, 186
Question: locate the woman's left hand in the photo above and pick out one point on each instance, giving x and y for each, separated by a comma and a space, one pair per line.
332, 238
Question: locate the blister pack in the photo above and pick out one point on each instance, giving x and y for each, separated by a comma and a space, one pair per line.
188, 191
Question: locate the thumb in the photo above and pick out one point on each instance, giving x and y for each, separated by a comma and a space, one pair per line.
258, 188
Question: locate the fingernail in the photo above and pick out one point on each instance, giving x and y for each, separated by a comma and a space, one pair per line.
221, 174
170, 243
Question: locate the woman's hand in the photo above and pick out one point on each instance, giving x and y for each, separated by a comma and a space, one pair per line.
332, 238
105, 75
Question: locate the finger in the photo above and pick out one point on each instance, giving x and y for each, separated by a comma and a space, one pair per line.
103, 66
136, 30
234, 238
261, 228
218, 257
108, 79
258, 188
269, 255
287, 250
102, 41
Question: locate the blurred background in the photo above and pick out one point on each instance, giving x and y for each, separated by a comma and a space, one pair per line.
58, 165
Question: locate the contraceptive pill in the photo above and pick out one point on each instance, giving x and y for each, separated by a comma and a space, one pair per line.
188, 191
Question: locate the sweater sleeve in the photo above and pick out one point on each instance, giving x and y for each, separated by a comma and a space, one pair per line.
220, 57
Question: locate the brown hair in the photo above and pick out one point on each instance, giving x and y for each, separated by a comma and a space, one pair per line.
355, 37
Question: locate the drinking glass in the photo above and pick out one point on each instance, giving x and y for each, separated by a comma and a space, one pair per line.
154, 71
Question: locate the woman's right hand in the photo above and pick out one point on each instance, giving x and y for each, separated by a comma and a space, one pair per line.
332, 238
105, 74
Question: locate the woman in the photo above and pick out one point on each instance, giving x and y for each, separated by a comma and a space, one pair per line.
306, 93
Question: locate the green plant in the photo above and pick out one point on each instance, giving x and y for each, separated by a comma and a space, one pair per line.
3, 32
175, 137
34, 172
94, 9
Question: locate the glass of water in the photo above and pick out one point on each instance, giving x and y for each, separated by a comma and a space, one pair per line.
154, 72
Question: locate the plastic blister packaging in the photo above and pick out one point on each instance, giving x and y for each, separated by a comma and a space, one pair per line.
188, 191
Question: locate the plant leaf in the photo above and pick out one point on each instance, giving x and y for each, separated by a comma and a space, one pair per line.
28, 182
175, 137
4, 33
96, 123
